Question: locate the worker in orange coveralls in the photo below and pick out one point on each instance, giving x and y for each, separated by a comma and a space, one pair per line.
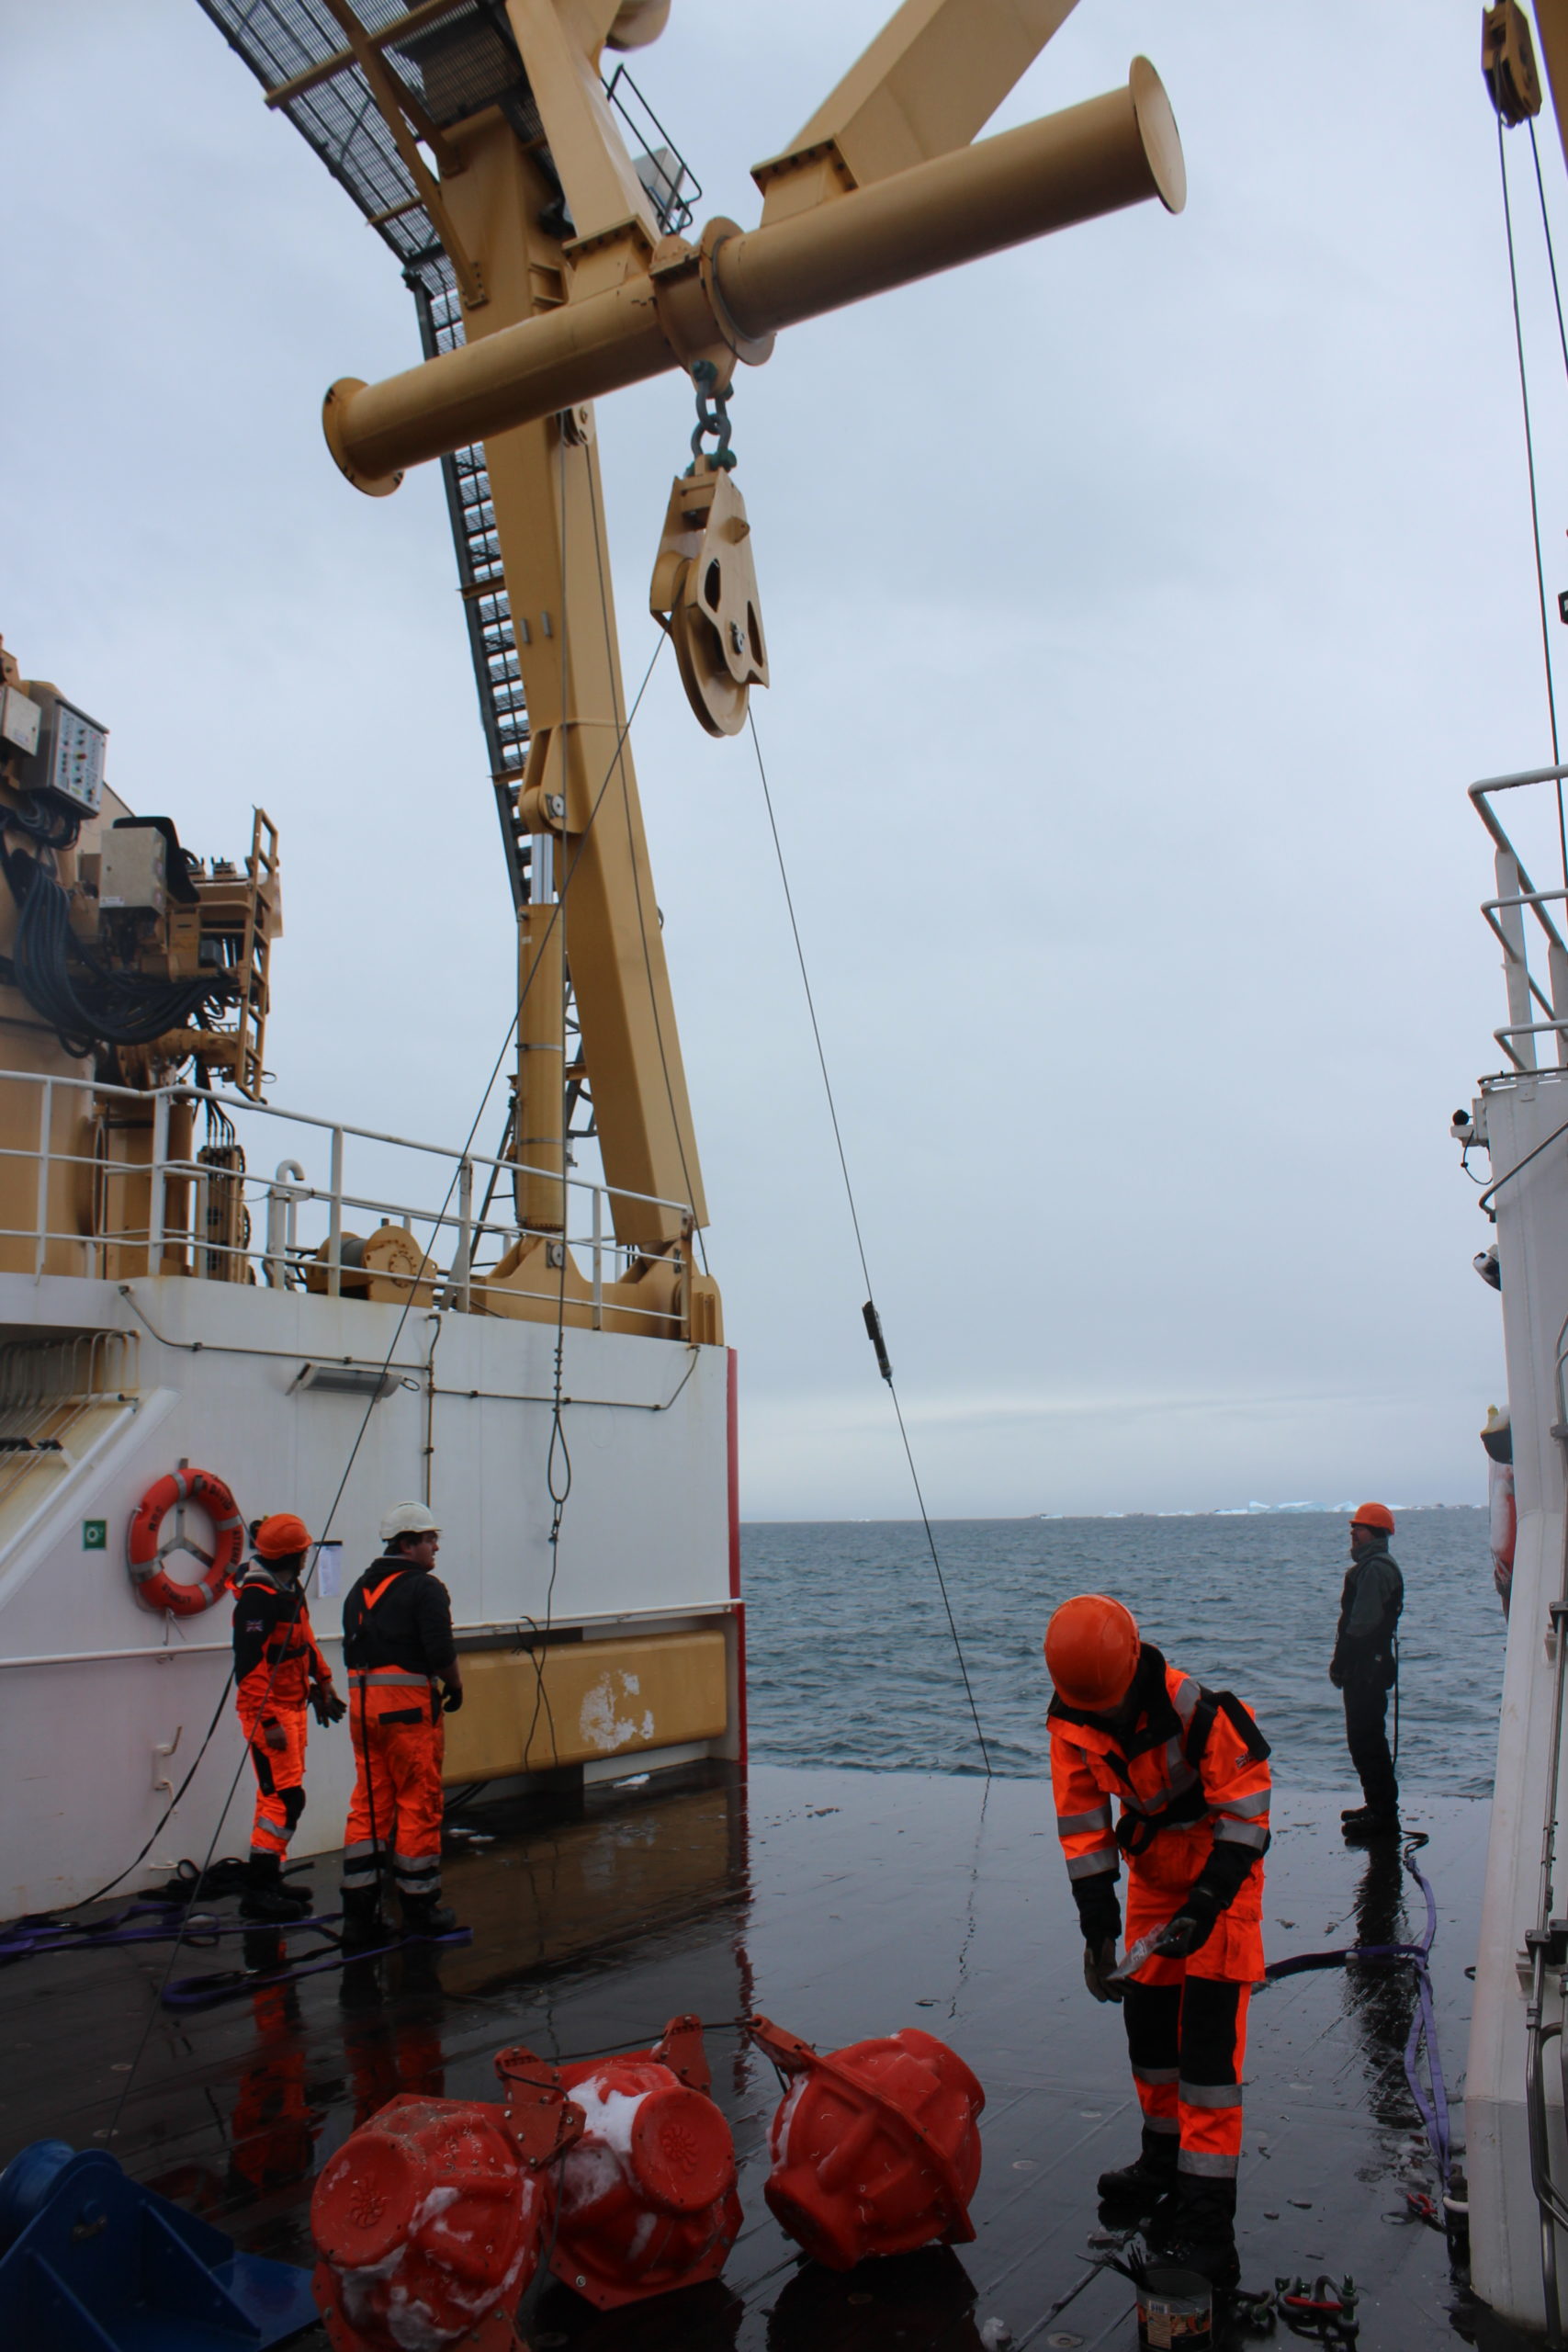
403, 1676
278, 1670
1189, 1768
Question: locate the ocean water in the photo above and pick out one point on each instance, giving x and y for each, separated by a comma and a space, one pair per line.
850, 1660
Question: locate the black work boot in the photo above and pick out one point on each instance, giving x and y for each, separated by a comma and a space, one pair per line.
1198, 2232
266, 1896
1358, 1827
1137, 2188
362, 1927
426, 1914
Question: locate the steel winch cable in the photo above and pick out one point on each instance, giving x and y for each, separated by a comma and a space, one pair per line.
559, 1451
556, 914
869, 1311
1529, 451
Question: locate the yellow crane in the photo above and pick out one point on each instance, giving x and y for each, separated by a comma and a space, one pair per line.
553, 255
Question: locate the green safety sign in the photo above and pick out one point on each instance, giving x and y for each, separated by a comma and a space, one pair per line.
95, 1535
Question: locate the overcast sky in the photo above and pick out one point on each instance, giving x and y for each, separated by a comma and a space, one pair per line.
1140, 605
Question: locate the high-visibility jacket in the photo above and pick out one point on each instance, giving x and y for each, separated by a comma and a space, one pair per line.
398, 1619
275, 1657
1192, 1786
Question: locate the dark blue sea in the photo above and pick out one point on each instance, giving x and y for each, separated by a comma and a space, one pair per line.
851, 1661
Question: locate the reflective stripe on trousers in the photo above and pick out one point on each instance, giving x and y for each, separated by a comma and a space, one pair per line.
395, 1814
280, 1778
1187, 2043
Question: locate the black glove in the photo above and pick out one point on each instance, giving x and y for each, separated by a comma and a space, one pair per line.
1099, 1960
1192, 1926
452, 1700
1099, 1914
325, 1704
1334, 1674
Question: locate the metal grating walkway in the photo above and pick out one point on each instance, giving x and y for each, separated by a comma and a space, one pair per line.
504, 712
450, 59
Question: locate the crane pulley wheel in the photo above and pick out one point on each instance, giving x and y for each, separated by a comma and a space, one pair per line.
705, 591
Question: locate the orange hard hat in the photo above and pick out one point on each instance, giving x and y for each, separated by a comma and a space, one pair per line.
1374, 1515
1091, 1652
282, 1533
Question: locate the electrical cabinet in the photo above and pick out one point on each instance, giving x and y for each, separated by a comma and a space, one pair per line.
134, 870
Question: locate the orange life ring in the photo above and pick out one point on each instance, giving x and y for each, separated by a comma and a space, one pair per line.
146, 1555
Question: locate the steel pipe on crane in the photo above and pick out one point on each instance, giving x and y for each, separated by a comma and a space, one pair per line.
732, 295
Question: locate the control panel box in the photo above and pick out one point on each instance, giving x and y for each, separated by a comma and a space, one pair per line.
134, 870
73, 757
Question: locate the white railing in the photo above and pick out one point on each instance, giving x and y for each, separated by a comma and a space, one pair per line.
198, 1208
1518, 919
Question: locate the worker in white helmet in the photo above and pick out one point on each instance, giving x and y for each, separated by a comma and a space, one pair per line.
403, 1676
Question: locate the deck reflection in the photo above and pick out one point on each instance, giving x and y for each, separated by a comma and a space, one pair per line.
842, 1905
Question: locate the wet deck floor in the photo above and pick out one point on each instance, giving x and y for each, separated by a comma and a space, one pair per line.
841, 1904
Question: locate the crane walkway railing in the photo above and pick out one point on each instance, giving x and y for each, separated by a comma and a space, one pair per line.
123, 1189
1520, 922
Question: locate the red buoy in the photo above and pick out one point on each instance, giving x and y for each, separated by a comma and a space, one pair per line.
648, 2198
875, 2147
429, 2224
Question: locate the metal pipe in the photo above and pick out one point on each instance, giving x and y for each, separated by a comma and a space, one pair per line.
335, 1216
1091, 159
46, 1123
464, 1268
157, 1199
1096, 158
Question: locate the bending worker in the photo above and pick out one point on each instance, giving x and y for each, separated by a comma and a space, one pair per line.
403, 1676
1189, 1768
278, 1670
1365, 1667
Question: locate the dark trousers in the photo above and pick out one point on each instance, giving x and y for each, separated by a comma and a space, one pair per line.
1366, 1716
1186, 2044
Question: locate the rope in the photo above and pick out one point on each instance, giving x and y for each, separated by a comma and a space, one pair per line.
872, 1320
1529, 459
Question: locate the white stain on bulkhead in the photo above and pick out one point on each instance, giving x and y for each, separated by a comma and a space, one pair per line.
602, 1726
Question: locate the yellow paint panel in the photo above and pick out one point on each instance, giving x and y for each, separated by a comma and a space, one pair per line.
600, 1699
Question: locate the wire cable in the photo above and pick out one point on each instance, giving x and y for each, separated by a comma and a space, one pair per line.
872, 1320
559, 1451
1529, 460
1562, 346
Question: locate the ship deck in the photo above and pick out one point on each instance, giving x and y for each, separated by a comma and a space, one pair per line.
841, 1904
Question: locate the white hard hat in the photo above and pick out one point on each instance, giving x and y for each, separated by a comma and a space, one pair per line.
408, 1518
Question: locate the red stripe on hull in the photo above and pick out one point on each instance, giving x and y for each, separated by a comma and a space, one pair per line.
734, 1433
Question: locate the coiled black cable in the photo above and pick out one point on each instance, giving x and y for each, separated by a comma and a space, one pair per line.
102, 1006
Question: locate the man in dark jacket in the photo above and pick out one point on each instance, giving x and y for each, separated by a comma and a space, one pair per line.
1364, 1667
403, 1676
